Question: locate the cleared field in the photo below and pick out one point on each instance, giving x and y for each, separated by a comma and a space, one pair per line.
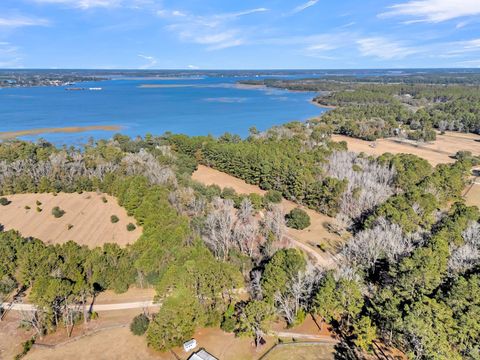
302, 351
87, 212
119, 343
309, 238
436, 152
473, 195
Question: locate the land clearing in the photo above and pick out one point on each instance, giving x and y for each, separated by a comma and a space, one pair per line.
87, 212
309, 239
113, 340
436, 152
302, 351
472, 195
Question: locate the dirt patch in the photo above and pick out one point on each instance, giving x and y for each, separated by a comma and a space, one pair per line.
309, 239
436, 152
86, 220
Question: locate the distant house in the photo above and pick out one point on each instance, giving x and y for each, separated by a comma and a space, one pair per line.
202, 355
190, 345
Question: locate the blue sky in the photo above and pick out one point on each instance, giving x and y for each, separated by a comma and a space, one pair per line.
223, 34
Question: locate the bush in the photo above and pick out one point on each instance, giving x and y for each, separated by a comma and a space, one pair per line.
131, 227
4, 201
273, 196
27, 207
104, 199
69, 227
297, 219
57, 212
139, 324
38, 203
114, 219
39, 209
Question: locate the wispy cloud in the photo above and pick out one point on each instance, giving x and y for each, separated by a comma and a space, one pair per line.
434, 11
88, 4
305, 6
217, 31
22, 21
384, 49
152, 61
9, 56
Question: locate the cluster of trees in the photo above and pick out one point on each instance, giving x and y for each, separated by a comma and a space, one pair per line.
168, 255
377, 107
285, 165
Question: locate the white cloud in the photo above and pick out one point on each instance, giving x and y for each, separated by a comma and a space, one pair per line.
9, 56
22, 21
434, 10
152, 61
87, 4
384, 49
216, 31
305, 6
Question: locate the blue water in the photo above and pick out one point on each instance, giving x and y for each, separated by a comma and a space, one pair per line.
202, 106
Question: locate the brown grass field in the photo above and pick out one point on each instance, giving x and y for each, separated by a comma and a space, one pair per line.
473, 195
313, 236
302, 351
87, 212
436, 152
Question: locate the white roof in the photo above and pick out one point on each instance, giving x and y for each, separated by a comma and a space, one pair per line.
202, 355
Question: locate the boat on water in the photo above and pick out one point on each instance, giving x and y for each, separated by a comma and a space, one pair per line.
95, 89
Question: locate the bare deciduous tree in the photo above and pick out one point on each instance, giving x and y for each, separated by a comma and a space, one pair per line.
369, 183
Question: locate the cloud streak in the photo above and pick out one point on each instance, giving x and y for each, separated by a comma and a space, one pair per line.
22, 21
152, 61
217, 31
434, 11
305, 6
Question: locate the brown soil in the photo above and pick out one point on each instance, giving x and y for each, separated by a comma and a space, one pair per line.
71, 129
436, 152
87, 212
311, 237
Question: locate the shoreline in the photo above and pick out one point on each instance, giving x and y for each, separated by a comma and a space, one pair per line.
8, 135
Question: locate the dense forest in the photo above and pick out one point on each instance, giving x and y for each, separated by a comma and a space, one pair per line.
412, 106
408, 276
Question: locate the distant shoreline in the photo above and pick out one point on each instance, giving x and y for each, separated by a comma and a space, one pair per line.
70, 129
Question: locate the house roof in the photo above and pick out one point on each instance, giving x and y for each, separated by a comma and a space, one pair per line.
202, 355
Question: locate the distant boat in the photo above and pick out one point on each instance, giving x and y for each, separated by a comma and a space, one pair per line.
74, 89
95, 89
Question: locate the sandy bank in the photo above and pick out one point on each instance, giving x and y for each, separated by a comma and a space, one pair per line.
71, 129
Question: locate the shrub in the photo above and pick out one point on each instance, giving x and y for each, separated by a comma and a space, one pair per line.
27, 207
4, 201
273, 196
57, 212
114, 219
256, 200
39, 209
139, 324
131, 227
297, 219
104, 199
69, 227
38, 203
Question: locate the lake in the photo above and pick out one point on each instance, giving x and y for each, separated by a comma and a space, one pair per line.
193, 106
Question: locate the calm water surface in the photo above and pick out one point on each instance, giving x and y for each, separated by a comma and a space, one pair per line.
195, 106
